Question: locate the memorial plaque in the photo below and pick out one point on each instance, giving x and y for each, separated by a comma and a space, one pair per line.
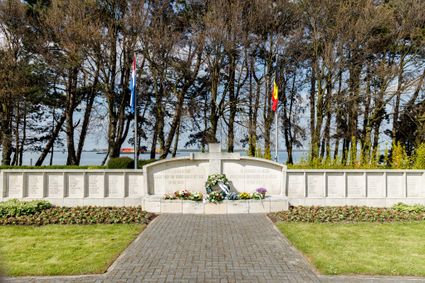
35, 185
355, 185
336, 185
116, 185
235, 174
135, 185
295, 185
55, 185
96, 185
16, 185
414, 185
375, 185
75, 185
262, 176
395, 185
315, 185
195, 176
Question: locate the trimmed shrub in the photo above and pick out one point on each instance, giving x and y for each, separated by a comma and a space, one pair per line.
144, 162
121, 163
347, 214
16, 207
82, 215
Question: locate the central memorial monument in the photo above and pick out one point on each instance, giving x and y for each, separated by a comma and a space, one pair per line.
245, 174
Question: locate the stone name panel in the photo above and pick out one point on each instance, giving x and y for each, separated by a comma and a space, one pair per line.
170, 176
74, 187
355, 187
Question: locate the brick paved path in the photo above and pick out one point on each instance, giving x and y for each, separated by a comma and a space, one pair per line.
208, 248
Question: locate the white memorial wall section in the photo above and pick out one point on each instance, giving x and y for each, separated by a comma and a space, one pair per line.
74, 187
379, 188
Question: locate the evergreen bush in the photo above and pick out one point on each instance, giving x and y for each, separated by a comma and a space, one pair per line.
14, 207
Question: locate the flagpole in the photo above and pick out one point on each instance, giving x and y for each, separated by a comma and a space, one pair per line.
136, 141
276, 114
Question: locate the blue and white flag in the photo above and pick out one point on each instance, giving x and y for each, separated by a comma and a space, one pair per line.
133, 86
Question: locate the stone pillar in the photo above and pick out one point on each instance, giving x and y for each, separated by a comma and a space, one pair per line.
215, 166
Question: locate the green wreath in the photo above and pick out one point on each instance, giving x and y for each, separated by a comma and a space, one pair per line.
213, 180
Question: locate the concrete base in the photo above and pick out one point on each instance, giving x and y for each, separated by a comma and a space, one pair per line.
157, 204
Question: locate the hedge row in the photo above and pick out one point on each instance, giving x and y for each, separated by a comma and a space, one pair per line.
82, 215
16, 207
346, 214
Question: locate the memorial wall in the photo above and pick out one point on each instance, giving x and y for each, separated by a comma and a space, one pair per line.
380, 188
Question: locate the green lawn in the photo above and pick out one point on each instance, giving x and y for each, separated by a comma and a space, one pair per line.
361, 248
63, 249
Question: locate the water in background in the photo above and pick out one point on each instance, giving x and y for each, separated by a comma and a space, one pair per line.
93, 158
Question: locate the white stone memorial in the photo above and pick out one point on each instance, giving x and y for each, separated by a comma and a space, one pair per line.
335, 182
356, 185
96, 185
35, 183
76, 185
296, 185
55, 185
395, 186
15, 185
375, 185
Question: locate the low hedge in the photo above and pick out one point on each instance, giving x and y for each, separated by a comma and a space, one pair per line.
127, 163
16, 207
82, 215
349, 214
4, 167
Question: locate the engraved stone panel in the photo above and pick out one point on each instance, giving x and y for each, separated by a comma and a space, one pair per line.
35, 185
135, 185
375, 185
177, 175
315, 185
55, 185
414, 185
258, 174
336, 185
15, 185
96, 185
355, 185
234, 172
296, 184
395, 185
116, 185
75, 185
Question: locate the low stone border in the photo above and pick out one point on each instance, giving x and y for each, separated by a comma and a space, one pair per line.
156, 204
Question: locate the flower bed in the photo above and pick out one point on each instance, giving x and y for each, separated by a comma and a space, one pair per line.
185, 195
351, 214
82, 215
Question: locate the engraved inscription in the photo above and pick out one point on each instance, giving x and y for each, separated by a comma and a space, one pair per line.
336, 187
15, 185
395, 185
35, 185
96, 185
76, 185
116, 186
414, 186
355, 185
55, 188
315, 185
296, 184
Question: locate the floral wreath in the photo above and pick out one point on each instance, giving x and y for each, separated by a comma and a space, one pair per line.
213, 180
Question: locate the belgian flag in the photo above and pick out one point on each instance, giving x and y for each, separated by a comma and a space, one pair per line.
275, 99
